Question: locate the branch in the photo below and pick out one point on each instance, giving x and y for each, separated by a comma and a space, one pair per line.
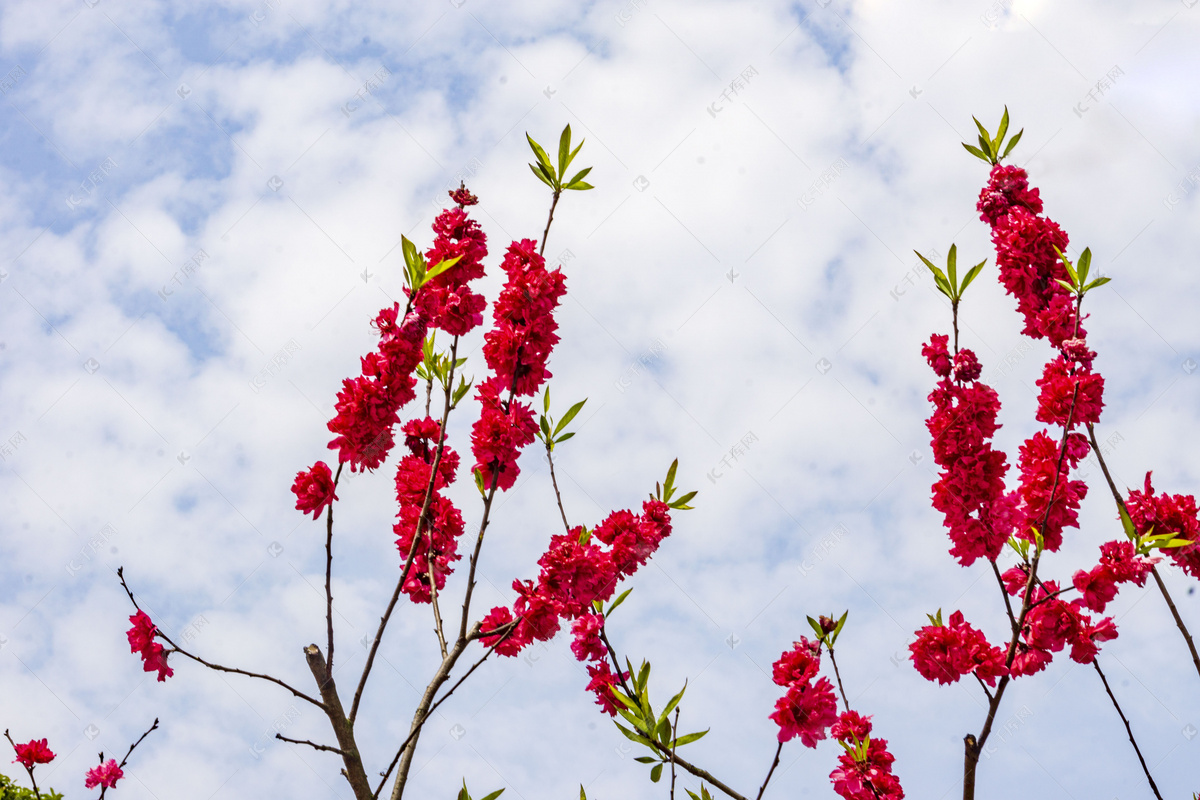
128, 753
313, 745
554, 481
355, 775
1128, 730
176, 648
775, 764
329, 572
841, 688
32, 779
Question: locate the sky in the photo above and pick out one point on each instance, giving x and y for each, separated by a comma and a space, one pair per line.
201, 213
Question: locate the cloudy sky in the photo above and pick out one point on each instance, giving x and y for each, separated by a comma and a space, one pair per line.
189, 193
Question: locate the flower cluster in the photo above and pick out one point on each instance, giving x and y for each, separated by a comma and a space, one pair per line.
970, 489
516, 350
863, 772
1163, 513
945, 653
141, 641
368, 406
442, 525
35, 751
445, 300
808, 707
1025, 254
105, 775
314, 489
1119, 563
1052, 623
578, 569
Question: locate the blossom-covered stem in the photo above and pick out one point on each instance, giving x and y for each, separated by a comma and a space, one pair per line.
129, 752
702, 774
176, 648
433, 599
838, 675
554, 481
549, 219
512, 626
775, 763
1162, 587
1128, 730
1004, 593
412, 551
329, 573
32, 779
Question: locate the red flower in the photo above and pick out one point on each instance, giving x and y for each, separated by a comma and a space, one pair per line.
798, 665
588, 646
106, 775
497, 437
314, 489
1058, 384
496, 619
868, 779
1164, 513
603, 682
141, 641
945, 653
35, 751
806, 710
937, 355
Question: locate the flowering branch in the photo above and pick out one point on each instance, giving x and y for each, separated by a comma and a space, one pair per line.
329, 573
28, 760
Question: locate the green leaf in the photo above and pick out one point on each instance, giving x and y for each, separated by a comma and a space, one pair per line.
682, 503
1003, 129
543, 159
669, 483
494, 795
626, 700
464, 795
1095, 283
1084, 264
645, 759
643, 676
570, 415
663, 732
634, 737
479, 484
692, 794
952, 265
816, 626
540, 176
970, 277
1127, 523
564, 150
546, 401
634, 720
575, 152
440, 267
1012, 143
620, 599
1066, 285
975, 151
564, 437
841, 623
986, 146
582, 793
580, 186
670, 706
656, 773
544, 425
983, 132
579, 175
688, 739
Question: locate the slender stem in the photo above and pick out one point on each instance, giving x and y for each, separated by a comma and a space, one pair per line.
412, 551
1128, 729
549, 219
324, 747
1004, 593
554, 481
329, 573
1187, 637
176, 648
1162, 587
841, 688
433, 599
32, 779
674, 728
129, 752
775, 763
702, 774
352, 764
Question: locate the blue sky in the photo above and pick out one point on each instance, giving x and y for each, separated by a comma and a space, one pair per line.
190, 192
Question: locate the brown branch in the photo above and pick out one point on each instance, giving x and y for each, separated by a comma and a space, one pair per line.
219, 668
775, 764
128, 753
313, 745
546, 233
841, 688
1128, 730
1004, 593
329, 572
353, 771
554, 481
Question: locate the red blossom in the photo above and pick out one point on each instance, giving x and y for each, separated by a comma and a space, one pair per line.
1163, 513
603, 682
588, 646
35, 751
106, 775
798, 665
314, 489
806, 710
1059, 400
141, 641
945, 653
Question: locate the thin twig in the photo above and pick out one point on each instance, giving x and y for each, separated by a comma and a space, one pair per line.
313, 745
674, 739
1004, 593
838, 675
176, 648
1128, 730
774, 764
128, 753
554, 482
549, 219
329, 572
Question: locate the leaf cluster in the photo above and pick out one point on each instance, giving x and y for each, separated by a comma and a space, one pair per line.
666, 490
10, 791
947, 282
650, 729
989, 146
416, 272
552, 174
551, 433
1078, 272
437, 366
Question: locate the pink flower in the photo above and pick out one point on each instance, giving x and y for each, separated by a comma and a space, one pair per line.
868, 779
496, 619
1164, 513
35, 751
1058, 384
937, 355
806, 710
603, 683
798, 665
314, 489
106, 775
